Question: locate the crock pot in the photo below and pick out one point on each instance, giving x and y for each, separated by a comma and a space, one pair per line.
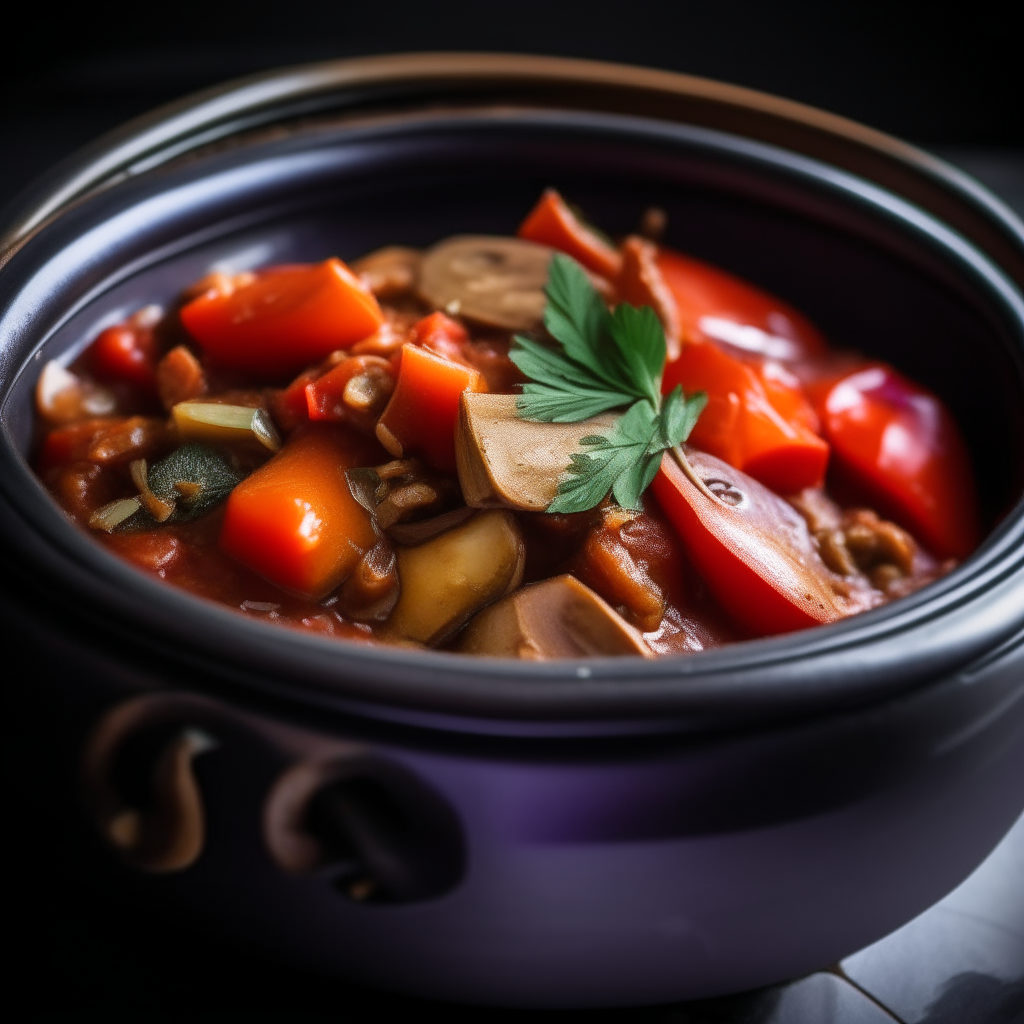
586, 833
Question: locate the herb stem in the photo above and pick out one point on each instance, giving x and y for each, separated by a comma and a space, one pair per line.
691, 474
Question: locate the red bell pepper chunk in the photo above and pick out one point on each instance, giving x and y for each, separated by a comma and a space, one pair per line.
284, 318
551, 222
441, 334
715, 306
898, 446
756, 555
325, 396
420, 419
757, 417
294, 519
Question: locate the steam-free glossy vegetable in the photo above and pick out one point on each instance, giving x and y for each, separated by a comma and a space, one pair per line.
284, 318
447, 579
295, 521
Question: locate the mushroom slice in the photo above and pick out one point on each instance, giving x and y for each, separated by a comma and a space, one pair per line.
504, 461
557, 618
389, 272
494, 281
449, 578
216, 422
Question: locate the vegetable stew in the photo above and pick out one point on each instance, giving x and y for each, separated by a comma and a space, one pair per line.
543, 446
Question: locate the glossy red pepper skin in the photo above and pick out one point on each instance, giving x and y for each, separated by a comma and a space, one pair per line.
756, 557
715, 306
896, 446
737, 343
757, 418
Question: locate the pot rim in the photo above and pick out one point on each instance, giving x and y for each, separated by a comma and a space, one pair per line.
435, 687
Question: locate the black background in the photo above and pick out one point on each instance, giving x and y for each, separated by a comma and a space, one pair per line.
943, 77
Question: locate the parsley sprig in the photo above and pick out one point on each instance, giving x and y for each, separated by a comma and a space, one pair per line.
605, 361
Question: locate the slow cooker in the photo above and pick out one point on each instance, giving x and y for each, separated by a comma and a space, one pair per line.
583, 833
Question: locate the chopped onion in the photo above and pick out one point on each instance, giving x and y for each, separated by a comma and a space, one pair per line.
111, 516
214, 422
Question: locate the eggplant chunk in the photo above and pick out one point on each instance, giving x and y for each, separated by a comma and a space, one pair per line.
506, 462
556, 618
447, 579
494, 281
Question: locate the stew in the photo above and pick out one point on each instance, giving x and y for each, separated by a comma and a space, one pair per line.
542, 446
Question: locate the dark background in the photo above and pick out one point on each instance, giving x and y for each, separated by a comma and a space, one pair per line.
946, 77
947, 81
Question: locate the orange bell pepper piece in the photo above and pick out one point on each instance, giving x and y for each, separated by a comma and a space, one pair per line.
551, 222
424, 408
285, 318
756, 419
294, 519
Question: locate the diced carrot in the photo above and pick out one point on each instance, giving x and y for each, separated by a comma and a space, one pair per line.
294, 519
284, 318
551, 222
421, 416
759, 423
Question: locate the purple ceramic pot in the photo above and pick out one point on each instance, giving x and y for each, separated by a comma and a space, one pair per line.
584, 833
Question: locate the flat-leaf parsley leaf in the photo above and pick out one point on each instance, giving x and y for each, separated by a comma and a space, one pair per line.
604, 361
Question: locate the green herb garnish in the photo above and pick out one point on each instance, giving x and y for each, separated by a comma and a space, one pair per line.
606, 361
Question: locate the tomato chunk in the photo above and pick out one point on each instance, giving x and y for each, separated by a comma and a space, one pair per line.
441, 334
294, 519
715, 306
551, 222
757, 417
126, 352
754, 550
421, 416
896, 442
284, 318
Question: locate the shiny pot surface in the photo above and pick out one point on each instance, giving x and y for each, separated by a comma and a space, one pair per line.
586, 833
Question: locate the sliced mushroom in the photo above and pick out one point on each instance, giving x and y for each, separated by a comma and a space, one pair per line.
449, 578
557, 618
215, 422
494, 281
389, 272
505, 461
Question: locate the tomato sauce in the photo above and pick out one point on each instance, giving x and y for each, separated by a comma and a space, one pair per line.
325, 407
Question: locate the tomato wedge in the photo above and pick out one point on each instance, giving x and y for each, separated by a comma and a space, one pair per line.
715, 306
753, 549
285, 318
897, 445
757, 417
